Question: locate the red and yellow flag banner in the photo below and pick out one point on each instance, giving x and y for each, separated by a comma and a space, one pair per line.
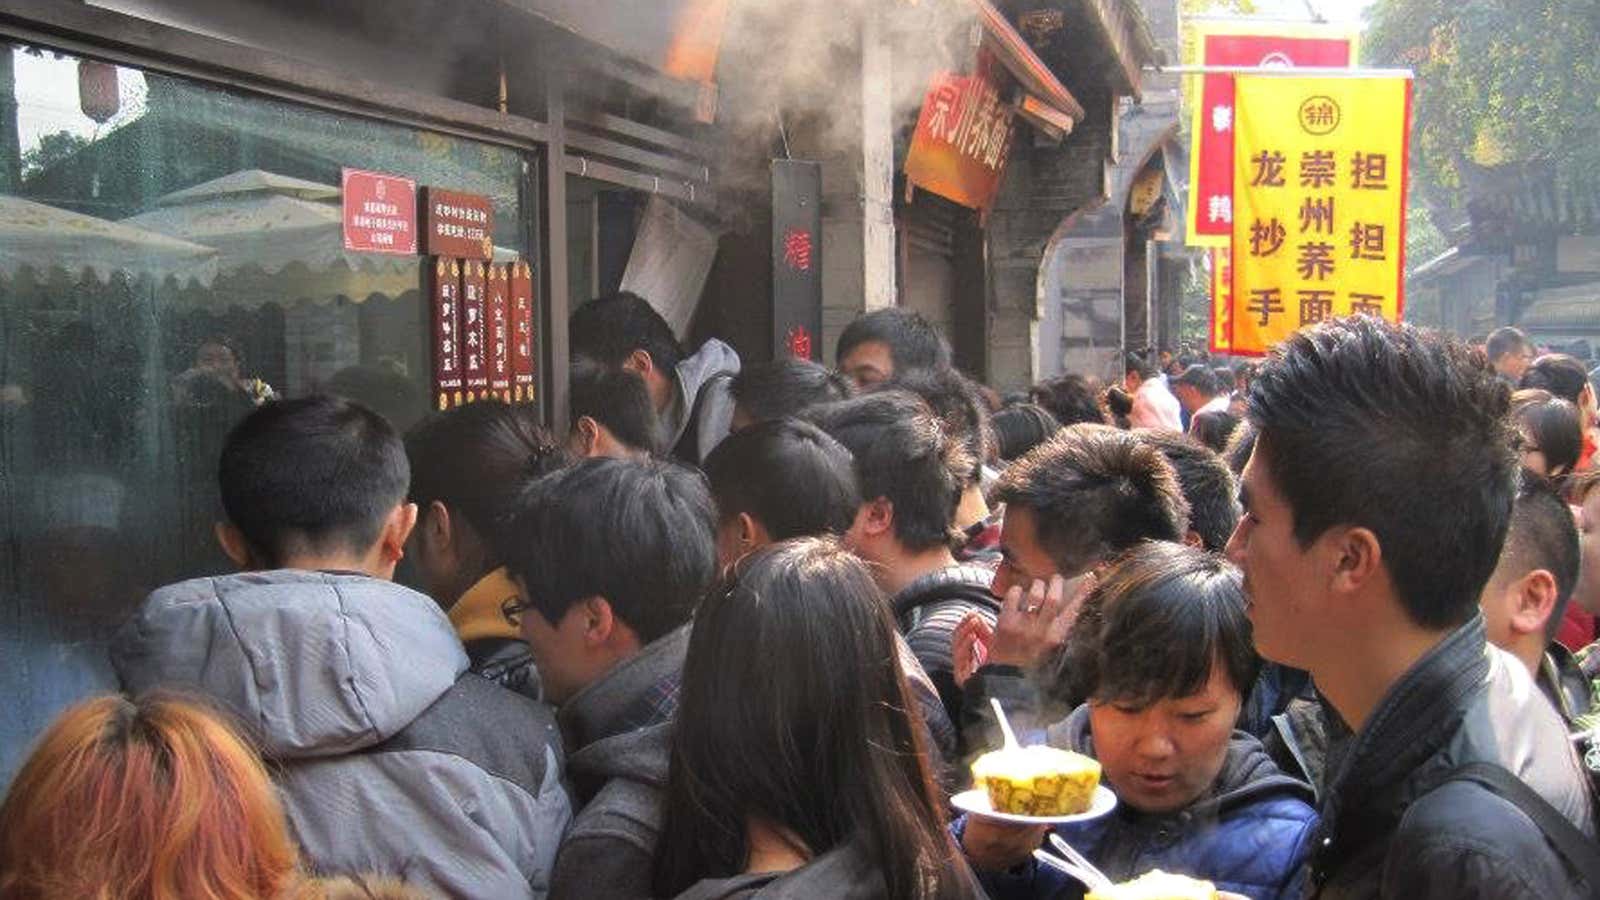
1319, 197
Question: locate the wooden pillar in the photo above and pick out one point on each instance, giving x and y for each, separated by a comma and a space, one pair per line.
557, 304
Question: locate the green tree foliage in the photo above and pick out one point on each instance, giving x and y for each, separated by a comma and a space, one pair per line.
52, 149
1498, 82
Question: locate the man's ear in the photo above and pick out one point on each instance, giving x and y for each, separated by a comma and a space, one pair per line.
1357, 558
878, 516
752, 534
1535, 603
436, 525
640, 361
599, 621
1192, 538
396, 529
588, 436
234, 544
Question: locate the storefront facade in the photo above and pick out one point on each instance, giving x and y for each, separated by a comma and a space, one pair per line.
176, 247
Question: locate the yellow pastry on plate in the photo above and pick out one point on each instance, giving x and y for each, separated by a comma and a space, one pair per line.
1037, 780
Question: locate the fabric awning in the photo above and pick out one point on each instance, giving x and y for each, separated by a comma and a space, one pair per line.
43, 238
1013, 51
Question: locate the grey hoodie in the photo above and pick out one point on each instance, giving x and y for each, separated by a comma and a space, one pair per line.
711, 415
391, 759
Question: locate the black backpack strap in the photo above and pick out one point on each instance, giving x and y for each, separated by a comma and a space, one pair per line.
1575, 847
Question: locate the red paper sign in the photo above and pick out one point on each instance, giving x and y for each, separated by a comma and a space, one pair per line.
380, 213
457, 224
521, 331
474, 331
499, 309
444, 296
1212, 192
961, 141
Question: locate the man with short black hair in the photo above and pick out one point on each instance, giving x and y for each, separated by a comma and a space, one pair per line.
611, 413
392, 758
885, 342
783, 387
610, 557
1197, 391
1371, 437
1153, 404
1073, 504
911, 476
1510, 352
689, 393
1528, 594
955, 400
786, 479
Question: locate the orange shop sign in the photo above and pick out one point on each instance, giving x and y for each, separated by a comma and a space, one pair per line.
962, 138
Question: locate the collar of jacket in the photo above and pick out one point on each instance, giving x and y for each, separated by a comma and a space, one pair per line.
958, 582
1563, 682
1374, 782
616, 703
478, 615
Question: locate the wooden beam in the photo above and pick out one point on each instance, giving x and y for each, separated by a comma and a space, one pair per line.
653, 163
595, 121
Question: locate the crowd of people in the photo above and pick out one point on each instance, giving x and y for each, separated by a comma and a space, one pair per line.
1325, 622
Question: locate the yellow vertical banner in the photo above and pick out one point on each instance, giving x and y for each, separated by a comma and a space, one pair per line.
1320, 168
1221, 300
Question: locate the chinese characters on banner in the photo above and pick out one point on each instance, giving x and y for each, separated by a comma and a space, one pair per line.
474, 331
1241, 43
1221, 300
1320, 197
497, 286
444, 298
521, 331
963, 135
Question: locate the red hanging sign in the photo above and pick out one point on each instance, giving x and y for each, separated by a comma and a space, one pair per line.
474, 331
521, 331
499, 310
444, 297
380, 213
457, 224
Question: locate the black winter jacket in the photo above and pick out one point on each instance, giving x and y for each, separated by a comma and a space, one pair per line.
1384, 835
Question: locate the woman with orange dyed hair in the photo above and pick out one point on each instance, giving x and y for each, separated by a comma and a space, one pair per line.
147, 799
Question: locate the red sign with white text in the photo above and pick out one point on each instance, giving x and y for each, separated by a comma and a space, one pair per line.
963, 136
498, 286
380, 213
474, 330
521, 331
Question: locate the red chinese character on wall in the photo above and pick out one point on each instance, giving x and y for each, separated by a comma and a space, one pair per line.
799, 343
797, 249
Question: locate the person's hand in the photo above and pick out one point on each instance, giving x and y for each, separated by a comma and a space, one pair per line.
996, 846
1033, 624
969, 647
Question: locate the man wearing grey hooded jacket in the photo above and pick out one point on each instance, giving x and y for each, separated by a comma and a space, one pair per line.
391, 757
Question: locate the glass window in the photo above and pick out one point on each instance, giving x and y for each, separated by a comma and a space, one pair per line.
171, 255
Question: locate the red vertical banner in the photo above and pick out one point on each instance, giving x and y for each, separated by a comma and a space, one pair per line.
521, 331
498, 287
474, 331
444, 300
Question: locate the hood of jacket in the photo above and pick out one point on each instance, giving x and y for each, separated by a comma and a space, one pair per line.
477, 615
314, 663
1248, 773
613, 728
716, 409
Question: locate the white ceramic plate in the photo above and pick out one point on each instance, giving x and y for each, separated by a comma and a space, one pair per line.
976, 802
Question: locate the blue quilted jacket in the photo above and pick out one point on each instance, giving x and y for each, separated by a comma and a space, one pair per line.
1249, 834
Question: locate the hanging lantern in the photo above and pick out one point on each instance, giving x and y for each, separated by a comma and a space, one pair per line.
98, 95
